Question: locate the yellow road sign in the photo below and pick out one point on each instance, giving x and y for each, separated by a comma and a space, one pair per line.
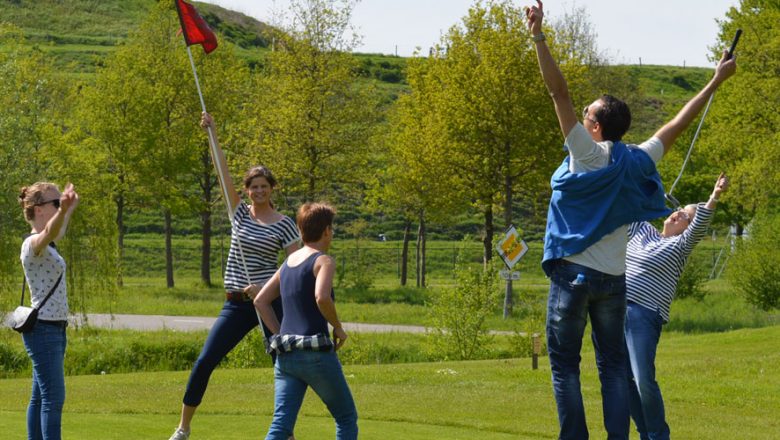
511, 247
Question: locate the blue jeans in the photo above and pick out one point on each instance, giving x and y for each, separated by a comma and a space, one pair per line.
643, 331
233, 323
45, 345
577, 292
297, 370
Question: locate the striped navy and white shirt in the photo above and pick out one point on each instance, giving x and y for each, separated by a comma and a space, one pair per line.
654, 263
260, 244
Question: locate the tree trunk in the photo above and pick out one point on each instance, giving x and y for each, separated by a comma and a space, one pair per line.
120, 225
508, 195
487, 241
405, 252
418, 253
205, 256
168, 250
205, 220
422, 262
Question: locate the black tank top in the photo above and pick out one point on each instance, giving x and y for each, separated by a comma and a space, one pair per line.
301, 314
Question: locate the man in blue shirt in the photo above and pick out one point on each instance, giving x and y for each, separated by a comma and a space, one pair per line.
601, 186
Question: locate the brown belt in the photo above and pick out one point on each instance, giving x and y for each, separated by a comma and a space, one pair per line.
238, 297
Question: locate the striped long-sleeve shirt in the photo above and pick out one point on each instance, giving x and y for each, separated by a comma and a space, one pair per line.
259, 248
654, 263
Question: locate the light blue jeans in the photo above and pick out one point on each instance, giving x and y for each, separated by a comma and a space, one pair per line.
576, 293
321, 370
45, 345
643, 331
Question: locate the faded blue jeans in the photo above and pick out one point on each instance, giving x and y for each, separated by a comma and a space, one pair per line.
297, 370
576, 293
45, 344
643, 331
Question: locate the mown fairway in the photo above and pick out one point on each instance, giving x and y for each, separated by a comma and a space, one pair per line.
717, 386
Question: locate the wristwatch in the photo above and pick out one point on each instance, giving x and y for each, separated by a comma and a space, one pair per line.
539, 37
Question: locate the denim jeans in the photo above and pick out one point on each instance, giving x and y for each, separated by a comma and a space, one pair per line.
321, 370
577, 292
643, 331
45, 345
233, 323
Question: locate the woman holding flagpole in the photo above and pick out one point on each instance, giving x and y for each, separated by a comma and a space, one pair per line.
259, 232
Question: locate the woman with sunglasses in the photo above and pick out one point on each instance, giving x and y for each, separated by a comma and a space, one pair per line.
654, 263
48, 212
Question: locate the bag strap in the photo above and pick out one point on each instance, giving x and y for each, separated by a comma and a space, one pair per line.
43, 303
24, 283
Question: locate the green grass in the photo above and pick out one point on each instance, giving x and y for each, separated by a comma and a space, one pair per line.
724, 386
94, 351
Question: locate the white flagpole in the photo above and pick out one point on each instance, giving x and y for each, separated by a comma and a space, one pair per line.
218, 166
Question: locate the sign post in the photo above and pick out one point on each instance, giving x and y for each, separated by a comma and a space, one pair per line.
511, 249
537, 350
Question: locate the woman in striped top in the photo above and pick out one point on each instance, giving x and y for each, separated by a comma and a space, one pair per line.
654, 262
259, 232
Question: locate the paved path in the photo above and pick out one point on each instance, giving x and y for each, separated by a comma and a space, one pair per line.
193, 323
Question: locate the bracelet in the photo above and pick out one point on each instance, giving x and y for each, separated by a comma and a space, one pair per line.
539, 37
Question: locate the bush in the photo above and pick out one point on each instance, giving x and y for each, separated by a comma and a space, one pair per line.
13, 360
692, 279
755, 268
458, 314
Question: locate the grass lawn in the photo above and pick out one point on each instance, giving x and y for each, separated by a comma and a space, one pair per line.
717, 385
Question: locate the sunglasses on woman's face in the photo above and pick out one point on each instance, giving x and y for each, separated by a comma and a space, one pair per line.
55, 202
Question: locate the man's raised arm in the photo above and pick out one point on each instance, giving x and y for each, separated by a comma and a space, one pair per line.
672, 130
553, 78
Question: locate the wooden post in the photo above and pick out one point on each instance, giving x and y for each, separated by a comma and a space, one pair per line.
537, 350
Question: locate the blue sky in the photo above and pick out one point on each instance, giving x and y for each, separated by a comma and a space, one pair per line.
668, 32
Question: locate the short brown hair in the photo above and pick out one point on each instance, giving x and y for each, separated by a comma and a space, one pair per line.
312, 220
32, 196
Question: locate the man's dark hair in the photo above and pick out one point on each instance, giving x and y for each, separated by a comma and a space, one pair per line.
614, 118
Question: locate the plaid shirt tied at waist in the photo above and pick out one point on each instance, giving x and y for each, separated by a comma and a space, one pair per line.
288, 343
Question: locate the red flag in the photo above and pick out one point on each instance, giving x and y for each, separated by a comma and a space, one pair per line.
195, 28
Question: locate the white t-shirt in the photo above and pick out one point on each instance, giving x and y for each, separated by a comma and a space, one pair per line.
607, 255
42, 272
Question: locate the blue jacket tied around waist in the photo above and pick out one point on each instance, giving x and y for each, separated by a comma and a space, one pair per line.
587, 206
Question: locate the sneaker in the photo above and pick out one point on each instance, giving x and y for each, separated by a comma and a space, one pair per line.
180, 435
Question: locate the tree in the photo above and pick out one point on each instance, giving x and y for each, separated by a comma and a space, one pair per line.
26, 94
744, 122
314, 122
41, 142
226, 82
416, 181
501, 141
150, 141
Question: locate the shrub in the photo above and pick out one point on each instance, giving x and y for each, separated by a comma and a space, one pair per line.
12, 360
692, 279
755, 268
458, 314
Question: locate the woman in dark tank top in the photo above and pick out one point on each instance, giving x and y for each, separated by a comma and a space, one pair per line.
306, 353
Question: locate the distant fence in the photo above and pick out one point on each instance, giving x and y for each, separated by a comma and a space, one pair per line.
381, 262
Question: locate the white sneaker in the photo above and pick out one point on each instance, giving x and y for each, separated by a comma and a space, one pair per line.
180, 435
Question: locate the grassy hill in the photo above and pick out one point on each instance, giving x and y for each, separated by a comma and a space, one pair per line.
80, 33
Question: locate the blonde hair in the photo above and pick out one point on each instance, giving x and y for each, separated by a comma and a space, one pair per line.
33, 195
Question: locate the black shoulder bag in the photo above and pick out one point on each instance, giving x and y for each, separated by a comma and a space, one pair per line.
23, 319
